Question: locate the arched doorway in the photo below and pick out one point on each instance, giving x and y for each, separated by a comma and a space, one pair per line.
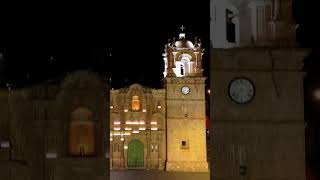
135, 154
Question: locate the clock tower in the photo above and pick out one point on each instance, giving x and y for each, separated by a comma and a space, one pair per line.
185, 98
257, 85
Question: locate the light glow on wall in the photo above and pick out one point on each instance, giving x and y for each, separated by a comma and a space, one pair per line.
154, 129
135, 122
142, 128
125, 147
154, 122
117, 122
135, 132
128, 129
317, 94
126, 110
107, 155
122, 139
51, 155
5, 144
116, 129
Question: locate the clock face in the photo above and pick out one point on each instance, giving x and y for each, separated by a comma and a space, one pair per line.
185, 90
241, 90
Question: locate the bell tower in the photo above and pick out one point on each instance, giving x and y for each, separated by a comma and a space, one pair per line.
257, 85
185, 98
239, 23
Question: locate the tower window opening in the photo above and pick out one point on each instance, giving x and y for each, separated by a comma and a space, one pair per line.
182, 70
184, 145
135, 103
230, 27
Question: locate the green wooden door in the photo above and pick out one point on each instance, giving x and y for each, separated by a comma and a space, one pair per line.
135, 154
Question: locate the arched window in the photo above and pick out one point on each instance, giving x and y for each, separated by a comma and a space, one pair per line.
135, 103
82, 133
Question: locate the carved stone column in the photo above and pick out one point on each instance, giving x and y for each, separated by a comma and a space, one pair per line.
170, 59
198, 62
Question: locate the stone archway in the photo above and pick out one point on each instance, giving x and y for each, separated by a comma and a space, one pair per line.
135, 154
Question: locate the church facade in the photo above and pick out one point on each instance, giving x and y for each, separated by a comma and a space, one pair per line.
163, 129
258, 95
55, 130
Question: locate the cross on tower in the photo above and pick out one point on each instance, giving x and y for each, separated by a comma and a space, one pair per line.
182, 28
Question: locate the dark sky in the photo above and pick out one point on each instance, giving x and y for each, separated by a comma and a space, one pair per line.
82, 37
134, 33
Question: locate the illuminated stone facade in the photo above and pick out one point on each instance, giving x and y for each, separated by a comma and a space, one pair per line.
128, 124
167, 131
55, 130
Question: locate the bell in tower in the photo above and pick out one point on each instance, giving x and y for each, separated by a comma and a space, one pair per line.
183, 58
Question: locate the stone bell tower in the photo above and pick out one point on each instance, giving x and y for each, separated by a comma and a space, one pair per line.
236, 23
185, 98
257, 85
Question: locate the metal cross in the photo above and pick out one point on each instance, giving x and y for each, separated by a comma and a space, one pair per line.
182, 28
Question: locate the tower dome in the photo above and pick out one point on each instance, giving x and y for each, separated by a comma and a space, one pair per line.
183, 42
183, 58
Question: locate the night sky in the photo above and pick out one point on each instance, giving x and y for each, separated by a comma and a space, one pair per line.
134, 34
83, 36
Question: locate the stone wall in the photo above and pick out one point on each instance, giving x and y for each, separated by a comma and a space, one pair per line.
264, 138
